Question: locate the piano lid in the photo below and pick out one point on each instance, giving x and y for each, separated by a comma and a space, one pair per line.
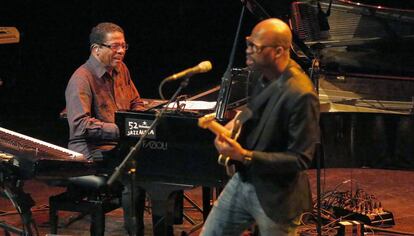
357, 38
402, 5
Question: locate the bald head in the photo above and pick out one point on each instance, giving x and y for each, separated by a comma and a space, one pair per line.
268, 47
272, 32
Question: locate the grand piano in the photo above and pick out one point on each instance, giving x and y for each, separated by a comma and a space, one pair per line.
365, 78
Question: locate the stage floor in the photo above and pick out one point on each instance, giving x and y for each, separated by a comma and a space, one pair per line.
394, 189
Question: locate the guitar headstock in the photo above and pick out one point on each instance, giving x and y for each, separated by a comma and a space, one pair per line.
205, 120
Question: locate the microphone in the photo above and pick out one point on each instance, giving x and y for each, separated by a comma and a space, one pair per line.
203, 67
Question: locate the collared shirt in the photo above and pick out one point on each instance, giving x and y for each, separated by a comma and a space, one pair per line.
92, 97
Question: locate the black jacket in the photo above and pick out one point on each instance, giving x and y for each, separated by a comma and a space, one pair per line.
283, 133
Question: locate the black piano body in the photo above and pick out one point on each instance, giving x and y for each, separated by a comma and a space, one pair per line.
367, 140
176, 151
176, 155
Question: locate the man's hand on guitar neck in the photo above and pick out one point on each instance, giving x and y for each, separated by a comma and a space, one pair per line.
231, 148
225, 141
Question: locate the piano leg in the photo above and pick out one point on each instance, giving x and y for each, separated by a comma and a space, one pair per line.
53, 220
161, 214
97, 226
207, 194
162, 203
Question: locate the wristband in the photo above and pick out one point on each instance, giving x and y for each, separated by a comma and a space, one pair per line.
247, 158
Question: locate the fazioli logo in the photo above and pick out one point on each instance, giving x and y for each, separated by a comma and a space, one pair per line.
156, 145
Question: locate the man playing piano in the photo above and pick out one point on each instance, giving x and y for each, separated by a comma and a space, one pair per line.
276, 144
95, 91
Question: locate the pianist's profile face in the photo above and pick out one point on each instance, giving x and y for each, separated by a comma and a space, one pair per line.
112, 51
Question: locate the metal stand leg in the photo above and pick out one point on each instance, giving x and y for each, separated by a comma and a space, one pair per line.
23, 202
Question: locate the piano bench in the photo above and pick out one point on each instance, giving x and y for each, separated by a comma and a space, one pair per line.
88, 195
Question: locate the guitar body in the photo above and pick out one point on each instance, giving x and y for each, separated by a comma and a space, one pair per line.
209, 122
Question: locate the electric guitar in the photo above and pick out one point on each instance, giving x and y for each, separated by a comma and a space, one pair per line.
209, 122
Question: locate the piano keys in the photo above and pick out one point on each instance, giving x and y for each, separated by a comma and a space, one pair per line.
23, 157
34, 158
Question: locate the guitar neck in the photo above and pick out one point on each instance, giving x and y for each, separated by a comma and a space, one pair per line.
213, 126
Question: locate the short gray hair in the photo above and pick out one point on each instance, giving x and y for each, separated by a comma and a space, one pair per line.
98, 33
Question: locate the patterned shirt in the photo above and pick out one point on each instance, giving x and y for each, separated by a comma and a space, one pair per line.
92, 97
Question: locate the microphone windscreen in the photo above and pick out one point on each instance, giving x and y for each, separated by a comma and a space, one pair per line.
205, 66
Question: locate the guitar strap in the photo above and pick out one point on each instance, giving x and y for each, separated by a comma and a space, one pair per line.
259, 100
268, 96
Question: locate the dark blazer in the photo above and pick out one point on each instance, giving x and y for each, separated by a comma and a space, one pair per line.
283, 133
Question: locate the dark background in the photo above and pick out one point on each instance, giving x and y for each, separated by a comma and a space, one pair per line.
165, 37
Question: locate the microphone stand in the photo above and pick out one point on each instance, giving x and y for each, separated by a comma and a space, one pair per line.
132, 152
319, 155
225, 86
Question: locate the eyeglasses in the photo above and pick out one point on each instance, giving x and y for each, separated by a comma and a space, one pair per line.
256, 48
115, 46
